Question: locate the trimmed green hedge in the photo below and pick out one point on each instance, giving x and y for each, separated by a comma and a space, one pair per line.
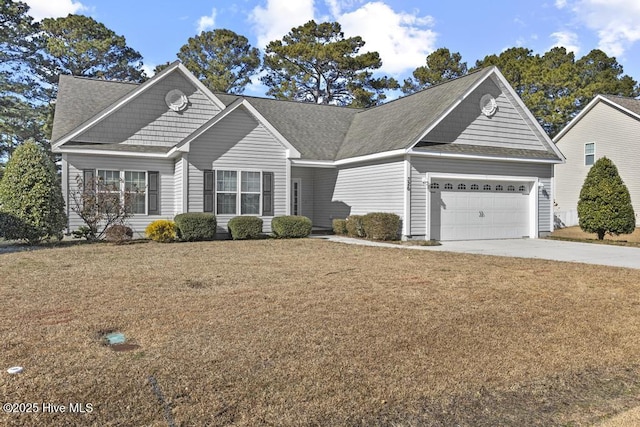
339, 226
355, 227
291, 226
381, 225
196, 226
245, 227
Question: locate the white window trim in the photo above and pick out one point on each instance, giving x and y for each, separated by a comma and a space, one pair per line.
239, 191
121, 174
585, 153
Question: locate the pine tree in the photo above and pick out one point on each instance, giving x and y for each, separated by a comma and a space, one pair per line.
605, 204
31, 200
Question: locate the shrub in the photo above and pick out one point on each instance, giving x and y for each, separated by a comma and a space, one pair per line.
30, 192
354, 226
118, 233
292, 226
381, 225
340, 226
604, 205
161, 230
196, 226
245, 227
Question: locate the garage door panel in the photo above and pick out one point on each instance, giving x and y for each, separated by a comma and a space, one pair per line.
479, 214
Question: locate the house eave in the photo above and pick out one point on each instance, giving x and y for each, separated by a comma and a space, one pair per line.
481, 157
88, 151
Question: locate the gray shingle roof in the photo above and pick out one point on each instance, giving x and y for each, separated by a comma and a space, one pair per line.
318, 132
630, 104
398, 124
79, 99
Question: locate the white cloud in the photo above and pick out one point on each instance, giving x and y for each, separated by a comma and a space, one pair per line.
278, 18
568, 40
207, 22
149, 69
402, 39
616, 22
560, 4
40, 9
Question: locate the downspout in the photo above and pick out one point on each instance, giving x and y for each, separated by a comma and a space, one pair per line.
406, 218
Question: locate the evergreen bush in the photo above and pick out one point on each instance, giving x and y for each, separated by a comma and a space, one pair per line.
355, 227
196, 226
604, 205
161, 230
245, 227
31, 196
291, 226
381, 225
339, 226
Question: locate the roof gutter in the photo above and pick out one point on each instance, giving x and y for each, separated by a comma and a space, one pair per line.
480, 157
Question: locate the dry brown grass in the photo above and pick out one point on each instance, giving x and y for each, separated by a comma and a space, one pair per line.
307, 332
575, 233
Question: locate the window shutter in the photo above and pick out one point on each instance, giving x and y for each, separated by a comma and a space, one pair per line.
153, 191
267, 193
209, 190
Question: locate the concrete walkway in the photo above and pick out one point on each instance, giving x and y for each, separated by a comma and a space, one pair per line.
555, 250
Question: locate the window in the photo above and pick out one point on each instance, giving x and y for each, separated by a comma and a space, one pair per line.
486, 187
511, 188
462, 187
250, 193
448, 186
232, 198
589, 153
134, 186
475, 187
499, 187
522, 189
435, 186
130, 186
226, 192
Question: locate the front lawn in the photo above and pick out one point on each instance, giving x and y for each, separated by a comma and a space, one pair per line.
308, 332
576, 234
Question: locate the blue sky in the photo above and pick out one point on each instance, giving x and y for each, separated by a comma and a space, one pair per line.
404, 32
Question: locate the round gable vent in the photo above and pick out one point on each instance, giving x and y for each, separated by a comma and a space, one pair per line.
488, 105
176, 100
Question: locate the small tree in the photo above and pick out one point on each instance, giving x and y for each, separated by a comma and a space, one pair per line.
605, 204
30, 193
99, 205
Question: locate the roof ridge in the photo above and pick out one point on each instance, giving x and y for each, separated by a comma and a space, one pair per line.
288, 101
98, 79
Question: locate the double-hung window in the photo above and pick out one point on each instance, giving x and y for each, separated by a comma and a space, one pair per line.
233, 197
128, 188
589, 153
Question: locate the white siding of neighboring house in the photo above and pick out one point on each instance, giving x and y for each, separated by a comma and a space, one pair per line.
615, 135
306, 176
238, 142
421, 165
507, 128
357, 190
76, 163
147, 120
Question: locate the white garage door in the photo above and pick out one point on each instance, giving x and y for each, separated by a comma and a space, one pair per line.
471, 210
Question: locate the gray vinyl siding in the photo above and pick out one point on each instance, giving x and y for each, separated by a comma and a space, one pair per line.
615, 135
238, 142
467, 125
77, 163
306, 176
147, 120
421, 165
357, 190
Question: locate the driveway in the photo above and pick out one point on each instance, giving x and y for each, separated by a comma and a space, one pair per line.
555, 250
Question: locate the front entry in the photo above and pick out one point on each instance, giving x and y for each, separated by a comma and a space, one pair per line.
479, 209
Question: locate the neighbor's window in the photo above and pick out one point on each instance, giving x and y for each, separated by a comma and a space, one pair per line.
589, 153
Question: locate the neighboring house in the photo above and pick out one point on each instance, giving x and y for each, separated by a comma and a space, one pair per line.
460, 160
609, 126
